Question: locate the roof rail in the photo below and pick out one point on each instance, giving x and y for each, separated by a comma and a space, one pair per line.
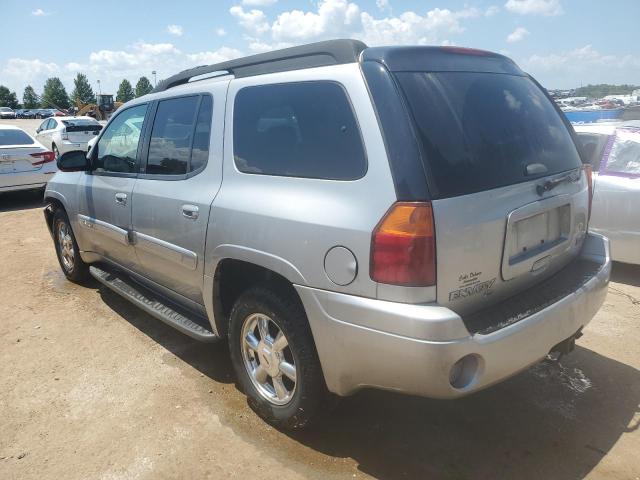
319, 54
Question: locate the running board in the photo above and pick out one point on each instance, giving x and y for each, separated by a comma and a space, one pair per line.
150, 304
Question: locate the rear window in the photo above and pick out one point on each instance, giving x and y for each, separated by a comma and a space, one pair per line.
481, 131
81, 125
304, 129
14, 137
622, 156
592, 145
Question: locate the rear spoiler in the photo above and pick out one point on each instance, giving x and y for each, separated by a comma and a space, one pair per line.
83, 128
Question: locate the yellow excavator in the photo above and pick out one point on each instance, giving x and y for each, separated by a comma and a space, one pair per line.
101, 110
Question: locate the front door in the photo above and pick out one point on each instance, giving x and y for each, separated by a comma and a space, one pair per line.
104, 193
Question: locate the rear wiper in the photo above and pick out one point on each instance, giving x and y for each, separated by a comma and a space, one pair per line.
549, 185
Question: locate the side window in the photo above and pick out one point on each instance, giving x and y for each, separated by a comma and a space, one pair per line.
43, 125
592, 145
304, 129
202, 136
52, 124
173, 135
623, 157
117, 149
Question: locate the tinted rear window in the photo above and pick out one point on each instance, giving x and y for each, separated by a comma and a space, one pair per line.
304, 129
14, 137
480, 131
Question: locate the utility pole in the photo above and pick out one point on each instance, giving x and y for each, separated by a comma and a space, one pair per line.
99, 88
154, 78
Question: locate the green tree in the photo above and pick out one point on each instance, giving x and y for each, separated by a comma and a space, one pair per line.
30, 98
125, 91
82, 91
143, 87
54, 94
8, 98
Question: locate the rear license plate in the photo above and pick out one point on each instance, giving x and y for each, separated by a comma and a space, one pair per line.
538, 233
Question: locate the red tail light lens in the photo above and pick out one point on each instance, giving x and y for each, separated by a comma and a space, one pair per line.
588, 170
403, 246
45, 157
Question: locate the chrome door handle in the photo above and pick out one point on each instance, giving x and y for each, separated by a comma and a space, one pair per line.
190, 212
121, 198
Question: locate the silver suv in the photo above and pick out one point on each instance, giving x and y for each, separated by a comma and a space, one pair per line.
406, 218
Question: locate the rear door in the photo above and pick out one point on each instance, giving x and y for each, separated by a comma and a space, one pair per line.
43, 134
173, 195
509, 196
104, 194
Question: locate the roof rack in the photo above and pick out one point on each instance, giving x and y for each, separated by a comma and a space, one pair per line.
319, 54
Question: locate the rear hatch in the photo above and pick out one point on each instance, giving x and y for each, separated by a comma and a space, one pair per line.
509, 197
81, 130
16, 152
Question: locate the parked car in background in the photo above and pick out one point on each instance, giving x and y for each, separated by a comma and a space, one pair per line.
63, 134
24, 163
406, 218
43, 113
59, 113
25, 113
6, 112
613, 151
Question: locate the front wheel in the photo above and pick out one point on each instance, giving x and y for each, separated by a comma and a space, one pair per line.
67, 249
275, 358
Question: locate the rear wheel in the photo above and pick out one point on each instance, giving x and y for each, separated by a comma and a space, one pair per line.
275, 359
55, 150
67, 249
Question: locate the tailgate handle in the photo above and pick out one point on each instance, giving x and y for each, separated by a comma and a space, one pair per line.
540, 264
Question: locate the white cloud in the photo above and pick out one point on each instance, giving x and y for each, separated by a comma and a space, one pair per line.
221, 55
491, 11
383, 5
517, 35
175, 30
341, 18
221, 32
258, 3
582, 65
38, 12
254, 21
534, 7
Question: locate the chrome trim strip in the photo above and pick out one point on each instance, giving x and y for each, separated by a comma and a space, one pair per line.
118, 234
166, 250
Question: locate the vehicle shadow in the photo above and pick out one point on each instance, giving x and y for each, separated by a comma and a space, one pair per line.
555, 420
22, 200
626, 273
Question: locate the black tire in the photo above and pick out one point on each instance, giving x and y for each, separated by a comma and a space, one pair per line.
310, 397
56, 152
79, 271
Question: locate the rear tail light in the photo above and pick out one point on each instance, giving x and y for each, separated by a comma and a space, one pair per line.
64, 135
45, 157
588, 170
403, 246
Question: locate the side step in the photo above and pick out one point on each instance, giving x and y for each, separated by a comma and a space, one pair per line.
153, 306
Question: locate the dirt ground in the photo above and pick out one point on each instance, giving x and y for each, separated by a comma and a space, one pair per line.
93, 388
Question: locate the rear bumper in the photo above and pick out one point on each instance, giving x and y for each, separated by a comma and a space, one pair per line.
67, 146
412, 348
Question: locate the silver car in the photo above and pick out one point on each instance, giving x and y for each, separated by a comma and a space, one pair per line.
614, 153
24, 163
406, 218
6, 113
65, 134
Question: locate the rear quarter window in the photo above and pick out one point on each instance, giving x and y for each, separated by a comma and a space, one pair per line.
305, 129
480, 131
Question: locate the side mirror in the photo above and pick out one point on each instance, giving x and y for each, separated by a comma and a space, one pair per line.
38, 130
74, 161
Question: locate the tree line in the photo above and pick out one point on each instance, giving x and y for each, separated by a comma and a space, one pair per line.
54, 95
604, 89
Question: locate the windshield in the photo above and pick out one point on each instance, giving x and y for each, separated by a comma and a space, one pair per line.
481, 131
14, 137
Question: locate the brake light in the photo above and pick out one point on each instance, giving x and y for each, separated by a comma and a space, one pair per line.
403, 246
588, 170
64, 135
45, 156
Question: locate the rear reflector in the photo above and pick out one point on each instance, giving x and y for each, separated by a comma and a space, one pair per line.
403, 246
589, 172
45, 156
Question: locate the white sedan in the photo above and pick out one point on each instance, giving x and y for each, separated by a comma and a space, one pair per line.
614, 153
65, 134
24, 163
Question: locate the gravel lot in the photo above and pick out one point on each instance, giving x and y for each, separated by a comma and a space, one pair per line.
93, 388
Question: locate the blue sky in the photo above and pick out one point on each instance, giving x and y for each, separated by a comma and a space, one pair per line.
563, 43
